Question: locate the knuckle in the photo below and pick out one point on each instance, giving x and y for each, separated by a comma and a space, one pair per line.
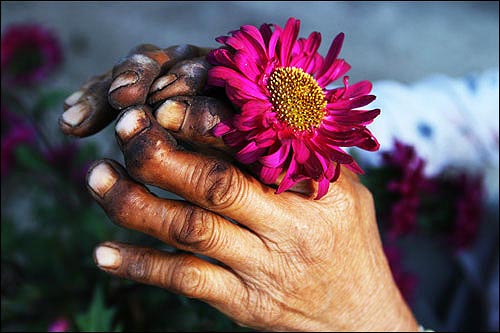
219, 183
313, 248
197, 230
140, 268
187, 279
146, 154
266, 312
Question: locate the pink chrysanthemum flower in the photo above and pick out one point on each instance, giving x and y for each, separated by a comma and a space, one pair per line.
289, 122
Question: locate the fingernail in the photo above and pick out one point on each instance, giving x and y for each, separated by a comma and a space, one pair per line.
107, 257
162, 82
76, 114
102, 177
131, 123
170, 114
73, 98
123, 80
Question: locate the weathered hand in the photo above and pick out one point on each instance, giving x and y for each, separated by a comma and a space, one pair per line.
148, 74
289, 263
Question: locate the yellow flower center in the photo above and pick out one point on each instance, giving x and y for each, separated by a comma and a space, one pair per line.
297, 98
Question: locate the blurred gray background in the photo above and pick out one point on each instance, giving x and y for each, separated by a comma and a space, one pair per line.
404, 41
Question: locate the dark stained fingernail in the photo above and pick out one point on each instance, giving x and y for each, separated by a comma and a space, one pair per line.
162, 82
131, 122
76, 114
73, 98
101, 178
124, 79
107, 257
170, 114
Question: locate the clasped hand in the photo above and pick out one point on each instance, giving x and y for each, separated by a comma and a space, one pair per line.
280, 262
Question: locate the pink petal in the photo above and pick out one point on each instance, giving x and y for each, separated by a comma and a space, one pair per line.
218, 75
300, 150
221, 57
235, 139
323, 186
242, 90
353, 117
221, 129
265, 138
356, 102
369, 142
322, 159
339, 68
360, 137
288, 180
313, 167
236, 42
255, 36
249, 154
266, 32
255, 107
333, 53
247, 65
273, 42
306, 61
329, 152
289, 36
358, 89
269, 175
277, 158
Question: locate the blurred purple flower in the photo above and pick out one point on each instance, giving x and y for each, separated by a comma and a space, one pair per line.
17, 135
8, 119
59, 325
406, 281
408, 186
30, 52
64, 159
469, 209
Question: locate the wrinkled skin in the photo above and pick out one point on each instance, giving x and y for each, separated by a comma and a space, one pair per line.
280, 262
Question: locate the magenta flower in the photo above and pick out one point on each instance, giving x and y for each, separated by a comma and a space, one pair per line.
289, 122
30, 53
409, 184
406, 281
59, 325
18, 135
469, 210
65, 159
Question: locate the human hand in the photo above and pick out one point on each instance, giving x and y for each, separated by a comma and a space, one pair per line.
289, 263
147, 74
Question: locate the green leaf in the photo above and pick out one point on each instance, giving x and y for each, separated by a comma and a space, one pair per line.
88, 152
51, 99
98, 318
29, 158
8, 237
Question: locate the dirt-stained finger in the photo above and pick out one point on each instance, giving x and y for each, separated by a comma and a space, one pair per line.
191, 119
175, 222
187, 78
185, 274
153, 156
134, 74
87, 110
